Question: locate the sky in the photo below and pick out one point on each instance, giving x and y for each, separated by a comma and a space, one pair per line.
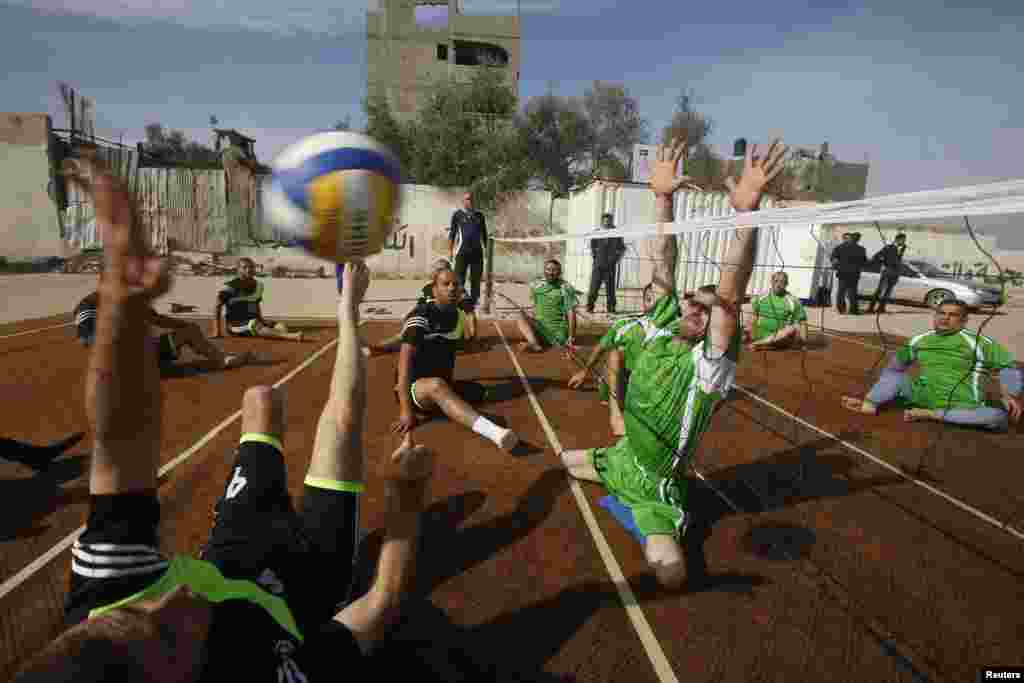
924, 90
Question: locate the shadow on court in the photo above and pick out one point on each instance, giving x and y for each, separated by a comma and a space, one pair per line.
27, 501
442, 650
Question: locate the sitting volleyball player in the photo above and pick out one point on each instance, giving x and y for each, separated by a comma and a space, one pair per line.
181, 334
426, 368
622, 342
955, 364
779, 319
467, 315
240, 302
679, 380
263, 602
553, 322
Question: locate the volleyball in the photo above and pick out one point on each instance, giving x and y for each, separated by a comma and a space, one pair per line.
336, 193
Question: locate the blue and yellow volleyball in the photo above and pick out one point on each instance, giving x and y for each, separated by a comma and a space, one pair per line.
336, 193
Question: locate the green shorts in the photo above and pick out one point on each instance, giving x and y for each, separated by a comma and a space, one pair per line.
548, 334
658, 504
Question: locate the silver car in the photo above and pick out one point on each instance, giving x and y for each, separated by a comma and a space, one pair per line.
924, 282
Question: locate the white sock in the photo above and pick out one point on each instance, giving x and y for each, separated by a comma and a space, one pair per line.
488, 429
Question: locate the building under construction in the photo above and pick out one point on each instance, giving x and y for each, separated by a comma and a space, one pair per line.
413, 44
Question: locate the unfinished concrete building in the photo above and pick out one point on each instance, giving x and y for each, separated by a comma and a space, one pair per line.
413, 44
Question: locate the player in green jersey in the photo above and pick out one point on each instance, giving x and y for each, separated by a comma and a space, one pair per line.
955, 366
678, 380
780, 320
553, 322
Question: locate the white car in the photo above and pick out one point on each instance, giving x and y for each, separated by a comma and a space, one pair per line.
924, 282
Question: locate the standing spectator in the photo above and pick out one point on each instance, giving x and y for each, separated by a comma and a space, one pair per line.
466, 239
607, 252
848, 259
890, 258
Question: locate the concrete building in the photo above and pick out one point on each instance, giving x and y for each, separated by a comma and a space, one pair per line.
413, 44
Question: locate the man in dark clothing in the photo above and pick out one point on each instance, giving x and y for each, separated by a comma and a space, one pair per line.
606, 252
466, 239
848, 259
890, 258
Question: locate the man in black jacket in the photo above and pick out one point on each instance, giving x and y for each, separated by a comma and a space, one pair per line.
848, 260
606, 252
890, 258
466, 239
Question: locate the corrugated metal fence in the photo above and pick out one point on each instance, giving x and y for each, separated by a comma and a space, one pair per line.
183, 209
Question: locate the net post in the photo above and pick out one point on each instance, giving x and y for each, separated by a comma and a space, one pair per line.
489, 276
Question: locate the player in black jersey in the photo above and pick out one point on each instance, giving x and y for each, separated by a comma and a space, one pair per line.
239, 303
467, 318
267, 600
426, 368
180, 334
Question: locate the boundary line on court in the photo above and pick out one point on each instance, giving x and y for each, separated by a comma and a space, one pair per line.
892, 468
29, 570
662, 667
38, 329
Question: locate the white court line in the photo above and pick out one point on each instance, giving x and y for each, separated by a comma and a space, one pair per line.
38, 329
44, 559
895, 470
647, 638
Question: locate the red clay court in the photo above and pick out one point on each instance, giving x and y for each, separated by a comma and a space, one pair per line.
826, 564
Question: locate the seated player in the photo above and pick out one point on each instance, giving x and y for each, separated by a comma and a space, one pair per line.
182, 334
780, 320
955, 365
240, 302
426, 368
678, 381
553, 322
467, 318
263, 602
37, 457
623, 341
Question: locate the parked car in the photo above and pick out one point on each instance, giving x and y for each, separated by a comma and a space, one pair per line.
924, 282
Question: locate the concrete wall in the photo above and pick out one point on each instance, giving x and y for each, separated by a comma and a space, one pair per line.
426, 212
29, 226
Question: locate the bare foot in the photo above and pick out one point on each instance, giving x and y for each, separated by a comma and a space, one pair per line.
618, 425
857, 405
917, 414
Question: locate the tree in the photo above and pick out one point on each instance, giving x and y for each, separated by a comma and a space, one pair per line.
689, 124
556, 136
616, 122
462, 136
172, 147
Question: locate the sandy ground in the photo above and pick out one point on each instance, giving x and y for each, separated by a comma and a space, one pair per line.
42, 295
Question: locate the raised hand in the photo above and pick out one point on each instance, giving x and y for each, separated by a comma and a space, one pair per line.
355, 281
758, 171
131, 271
663, 173
410, 462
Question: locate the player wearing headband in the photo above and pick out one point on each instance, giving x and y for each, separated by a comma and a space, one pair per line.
678, 380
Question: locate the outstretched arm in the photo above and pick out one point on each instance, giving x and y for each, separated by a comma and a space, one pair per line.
664, 184
745, 196
122, 387
338, 448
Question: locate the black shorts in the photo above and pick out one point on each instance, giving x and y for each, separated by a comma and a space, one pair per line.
166, 349
470, 392
304, 556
